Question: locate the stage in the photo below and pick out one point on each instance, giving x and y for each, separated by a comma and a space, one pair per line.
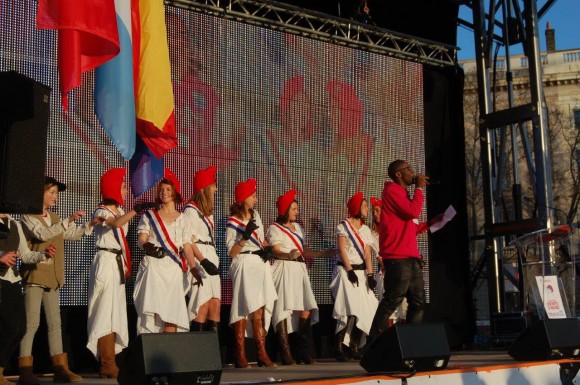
464, 368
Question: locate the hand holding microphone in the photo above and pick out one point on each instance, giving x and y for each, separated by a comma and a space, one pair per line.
420, 180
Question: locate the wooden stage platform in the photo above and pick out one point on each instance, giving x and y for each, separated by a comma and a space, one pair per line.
464, 368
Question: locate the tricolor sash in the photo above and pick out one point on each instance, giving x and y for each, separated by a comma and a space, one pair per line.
206, 220
356, 240
237, 225
164, 239
121, 239
295, 238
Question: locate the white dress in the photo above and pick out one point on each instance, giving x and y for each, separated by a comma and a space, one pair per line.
203, 232
291, 280
349, 299
161, 284
253, 286
107, 296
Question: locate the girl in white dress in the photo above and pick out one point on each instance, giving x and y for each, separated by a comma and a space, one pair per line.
162, 282
107, 318
353, 283
296, 302
205, 298
254, 293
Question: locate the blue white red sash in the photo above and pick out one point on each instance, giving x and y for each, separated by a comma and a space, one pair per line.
121, 239
206, 220
164, 239
295, 238
356, 240
240, 227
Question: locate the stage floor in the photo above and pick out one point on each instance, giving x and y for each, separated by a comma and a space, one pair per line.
326, 369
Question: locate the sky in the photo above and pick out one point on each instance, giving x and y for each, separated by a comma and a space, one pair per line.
564, 17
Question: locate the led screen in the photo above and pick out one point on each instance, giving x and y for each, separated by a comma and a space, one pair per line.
287, 110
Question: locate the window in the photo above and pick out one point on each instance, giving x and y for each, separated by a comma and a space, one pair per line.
577, 119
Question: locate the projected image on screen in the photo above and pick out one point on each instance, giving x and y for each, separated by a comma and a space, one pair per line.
293, 113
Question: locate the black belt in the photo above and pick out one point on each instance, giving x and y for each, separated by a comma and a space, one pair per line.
257, 252
354, 267
209, 243
118, 258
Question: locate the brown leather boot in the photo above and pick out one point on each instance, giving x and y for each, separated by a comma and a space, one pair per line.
285, 355
106, 348
3, 380
240, 339
340, 353
62, 373
260, 340
355, 336
27, 377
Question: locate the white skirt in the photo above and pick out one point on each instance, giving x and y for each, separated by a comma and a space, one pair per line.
211, 288
352, 300
253, 288
294, 294
107, 303
159, 295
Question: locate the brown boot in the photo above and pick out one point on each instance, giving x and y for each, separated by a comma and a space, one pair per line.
285, 355
240, 339
355, 336
27, 377
3, 380
61, 371
106, 348
260, 340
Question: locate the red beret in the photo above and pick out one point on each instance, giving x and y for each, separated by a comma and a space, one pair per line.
375, 201
284, 201
354, 204
344, 97
170, 176
111, 182
204, 178
245, 189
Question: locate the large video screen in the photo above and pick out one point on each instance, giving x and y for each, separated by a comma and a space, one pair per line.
287, 110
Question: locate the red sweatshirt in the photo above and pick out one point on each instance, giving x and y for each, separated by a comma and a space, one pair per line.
397, 230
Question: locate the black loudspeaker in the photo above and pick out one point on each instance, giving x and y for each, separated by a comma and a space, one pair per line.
402, 347
24, 111
549, 339
171, 359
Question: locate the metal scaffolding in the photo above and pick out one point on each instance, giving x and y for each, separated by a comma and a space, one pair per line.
319, 26
503, 135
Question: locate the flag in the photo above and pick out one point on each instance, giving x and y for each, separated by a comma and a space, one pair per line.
114, 88
154, 92
87, 37
145, 169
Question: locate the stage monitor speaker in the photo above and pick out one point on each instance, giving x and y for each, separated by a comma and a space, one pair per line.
548, 339
171, 359
406, 347
24, 111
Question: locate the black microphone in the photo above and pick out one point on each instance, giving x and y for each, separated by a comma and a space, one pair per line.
430, 181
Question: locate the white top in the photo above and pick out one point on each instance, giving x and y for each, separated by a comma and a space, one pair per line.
202, 228
363, 232
105, 238
177, 230
24, 253
277, 236
233, 236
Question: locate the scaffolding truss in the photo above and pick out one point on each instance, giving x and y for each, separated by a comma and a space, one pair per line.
319, 26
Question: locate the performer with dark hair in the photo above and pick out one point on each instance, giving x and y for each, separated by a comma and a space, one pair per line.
12, 313
398, 248
296, 302
161, 282
107, 313
353, 283
43, 280
251, 274
205, 297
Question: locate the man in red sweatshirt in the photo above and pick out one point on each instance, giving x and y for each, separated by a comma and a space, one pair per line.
398, 248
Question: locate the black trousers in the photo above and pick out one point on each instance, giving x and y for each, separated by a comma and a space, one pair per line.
403, 279
12, 319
